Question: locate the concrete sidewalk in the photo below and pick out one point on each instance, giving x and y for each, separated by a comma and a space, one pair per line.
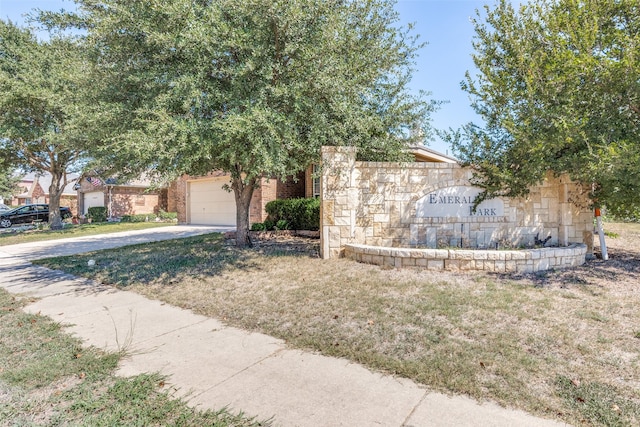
213, 366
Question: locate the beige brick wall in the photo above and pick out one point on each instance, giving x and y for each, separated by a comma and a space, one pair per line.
133, 201
375, 203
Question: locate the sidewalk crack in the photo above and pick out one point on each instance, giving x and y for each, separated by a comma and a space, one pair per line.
275, 353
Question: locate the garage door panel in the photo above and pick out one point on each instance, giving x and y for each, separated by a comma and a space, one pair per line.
211, 204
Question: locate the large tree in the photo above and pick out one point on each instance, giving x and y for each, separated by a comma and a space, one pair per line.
558, 87
41, 86
9, 180
250, 87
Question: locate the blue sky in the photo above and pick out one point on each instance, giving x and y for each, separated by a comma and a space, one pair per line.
444, 24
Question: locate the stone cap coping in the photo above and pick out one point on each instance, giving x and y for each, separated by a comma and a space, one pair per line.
574, 249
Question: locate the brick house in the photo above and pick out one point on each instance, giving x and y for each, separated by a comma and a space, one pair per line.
129, 198
204, 200
34, 188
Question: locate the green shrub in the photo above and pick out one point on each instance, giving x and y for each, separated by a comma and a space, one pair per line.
98, 214
268, 225
136, 218
300, 214
167, 216
282, 224
258, 226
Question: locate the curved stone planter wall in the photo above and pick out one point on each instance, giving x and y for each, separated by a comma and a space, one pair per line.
520, 261
430, 205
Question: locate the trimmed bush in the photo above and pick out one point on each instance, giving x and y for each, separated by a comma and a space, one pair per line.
98, 214
162, 215
257, 226
268, 225
167, 216
300, 214
137, 218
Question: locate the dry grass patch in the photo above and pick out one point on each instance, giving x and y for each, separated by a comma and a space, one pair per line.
47, 378
560, 344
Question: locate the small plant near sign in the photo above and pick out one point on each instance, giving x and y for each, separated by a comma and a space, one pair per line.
611, 234
257, 226
282, 225
269, 225
541, 242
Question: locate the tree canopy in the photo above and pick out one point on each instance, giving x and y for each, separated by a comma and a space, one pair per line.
40, 107
558, 87
250, 87
9, 180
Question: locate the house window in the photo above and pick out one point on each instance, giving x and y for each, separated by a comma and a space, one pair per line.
316, 181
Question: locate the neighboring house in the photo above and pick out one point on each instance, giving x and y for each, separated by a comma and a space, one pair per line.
424, 154
204, 199
34, 188
127, 198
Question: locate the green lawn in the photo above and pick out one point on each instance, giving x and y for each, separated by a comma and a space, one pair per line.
47, 378
558, 344
11, 238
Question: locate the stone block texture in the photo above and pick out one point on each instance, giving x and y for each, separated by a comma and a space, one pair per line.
524, 261
374, 203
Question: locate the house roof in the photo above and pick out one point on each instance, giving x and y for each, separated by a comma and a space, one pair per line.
424, 154
143, 181
44, 179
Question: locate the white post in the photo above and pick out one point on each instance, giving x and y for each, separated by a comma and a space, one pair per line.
603, 244
109, 188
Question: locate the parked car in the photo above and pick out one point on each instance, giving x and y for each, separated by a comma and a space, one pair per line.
4, 207
28, 214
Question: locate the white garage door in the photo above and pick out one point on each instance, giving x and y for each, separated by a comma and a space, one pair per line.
210, 204
95, 198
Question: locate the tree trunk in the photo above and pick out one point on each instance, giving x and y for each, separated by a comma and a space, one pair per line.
243, 192
55, 192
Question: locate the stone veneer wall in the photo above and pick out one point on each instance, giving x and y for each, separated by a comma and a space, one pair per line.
375, 203
521, 261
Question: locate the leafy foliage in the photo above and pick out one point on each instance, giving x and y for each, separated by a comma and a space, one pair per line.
41, 107
298, 214
135, 218
558, 90
98, 213
162, 215
253, 88
258, 226
8, 182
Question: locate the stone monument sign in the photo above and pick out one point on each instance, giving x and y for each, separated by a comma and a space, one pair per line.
457, 201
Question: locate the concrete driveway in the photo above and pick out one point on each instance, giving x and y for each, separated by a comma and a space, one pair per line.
77, 245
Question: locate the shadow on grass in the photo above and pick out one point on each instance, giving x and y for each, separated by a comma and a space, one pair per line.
621, 266
169, 262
